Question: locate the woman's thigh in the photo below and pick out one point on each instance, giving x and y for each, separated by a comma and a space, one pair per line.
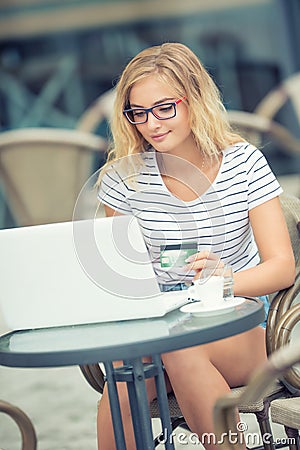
235, 357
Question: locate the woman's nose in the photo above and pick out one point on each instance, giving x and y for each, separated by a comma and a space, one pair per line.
153, 122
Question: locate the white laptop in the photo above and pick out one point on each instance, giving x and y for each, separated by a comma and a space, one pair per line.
79, 272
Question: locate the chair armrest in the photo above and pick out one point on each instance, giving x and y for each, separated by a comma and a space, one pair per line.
94, 376
280, 305
283, 331
29, 439
255, 123
225, 411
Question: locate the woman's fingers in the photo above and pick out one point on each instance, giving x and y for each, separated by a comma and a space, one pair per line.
204, 260
204, 254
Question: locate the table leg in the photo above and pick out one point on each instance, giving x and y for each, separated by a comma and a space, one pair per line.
115, 407
125, 373
139, 406
134, 372
162, 399
143, 371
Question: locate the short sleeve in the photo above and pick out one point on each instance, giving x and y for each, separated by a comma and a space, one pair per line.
262, 183
113, 192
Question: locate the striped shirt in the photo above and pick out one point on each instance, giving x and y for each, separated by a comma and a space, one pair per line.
217, 220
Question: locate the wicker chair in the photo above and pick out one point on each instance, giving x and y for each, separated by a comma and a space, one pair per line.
286, 412
42, 171
98, 111
273, 139
279, 365
276, 389
258, 129
288, 90
286, 93
29, 440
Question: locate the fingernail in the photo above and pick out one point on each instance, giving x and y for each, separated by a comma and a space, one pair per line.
189, 259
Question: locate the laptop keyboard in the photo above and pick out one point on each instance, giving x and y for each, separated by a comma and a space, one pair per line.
174, 299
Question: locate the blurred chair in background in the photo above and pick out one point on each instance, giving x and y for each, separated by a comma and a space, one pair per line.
28, 435
285, 97
255, 128
271, 138
288, 90
100, 110
42, 171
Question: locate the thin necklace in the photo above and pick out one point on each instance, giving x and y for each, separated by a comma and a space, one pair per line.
164, 171
202, 165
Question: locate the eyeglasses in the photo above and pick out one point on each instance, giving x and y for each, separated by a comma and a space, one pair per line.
163, 111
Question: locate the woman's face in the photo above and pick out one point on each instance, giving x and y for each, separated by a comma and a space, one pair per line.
173, 135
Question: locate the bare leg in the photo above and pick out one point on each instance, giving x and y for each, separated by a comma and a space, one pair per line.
200, 375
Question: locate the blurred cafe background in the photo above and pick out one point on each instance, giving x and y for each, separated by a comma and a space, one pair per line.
59, 60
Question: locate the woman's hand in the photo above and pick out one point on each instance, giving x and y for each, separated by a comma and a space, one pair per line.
202, 260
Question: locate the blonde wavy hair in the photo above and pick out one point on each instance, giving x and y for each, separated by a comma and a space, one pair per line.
177, 66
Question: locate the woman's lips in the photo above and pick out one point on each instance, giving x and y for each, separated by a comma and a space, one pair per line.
159, 137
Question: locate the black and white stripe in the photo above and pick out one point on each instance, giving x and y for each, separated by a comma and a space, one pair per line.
218, 220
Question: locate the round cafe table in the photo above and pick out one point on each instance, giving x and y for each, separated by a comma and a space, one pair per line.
128, 341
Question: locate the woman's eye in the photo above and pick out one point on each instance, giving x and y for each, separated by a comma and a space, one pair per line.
138, 114
165, 108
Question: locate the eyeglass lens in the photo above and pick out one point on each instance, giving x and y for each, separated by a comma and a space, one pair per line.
161, 112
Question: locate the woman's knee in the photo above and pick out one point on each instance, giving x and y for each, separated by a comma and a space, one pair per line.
186, 360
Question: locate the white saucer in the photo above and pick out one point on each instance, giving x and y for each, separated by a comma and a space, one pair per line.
199, 309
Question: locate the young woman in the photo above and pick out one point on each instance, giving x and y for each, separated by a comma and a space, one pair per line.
178, 167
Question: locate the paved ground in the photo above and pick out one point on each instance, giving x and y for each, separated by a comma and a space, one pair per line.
62, 407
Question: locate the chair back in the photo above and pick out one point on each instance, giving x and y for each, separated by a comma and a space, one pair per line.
258, 130
291, 210
288, 90
284, 313
225, 408
42, 171
273, 139
100, 110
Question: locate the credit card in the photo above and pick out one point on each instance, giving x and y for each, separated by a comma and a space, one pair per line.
175, 255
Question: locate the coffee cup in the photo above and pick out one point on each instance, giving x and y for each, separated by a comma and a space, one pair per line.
208, 290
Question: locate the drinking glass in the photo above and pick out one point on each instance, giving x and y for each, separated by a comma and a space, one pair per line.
228, 292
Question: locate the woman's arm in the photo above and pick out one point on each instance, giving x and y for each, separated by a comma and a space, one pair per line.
109, 212
277, 268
